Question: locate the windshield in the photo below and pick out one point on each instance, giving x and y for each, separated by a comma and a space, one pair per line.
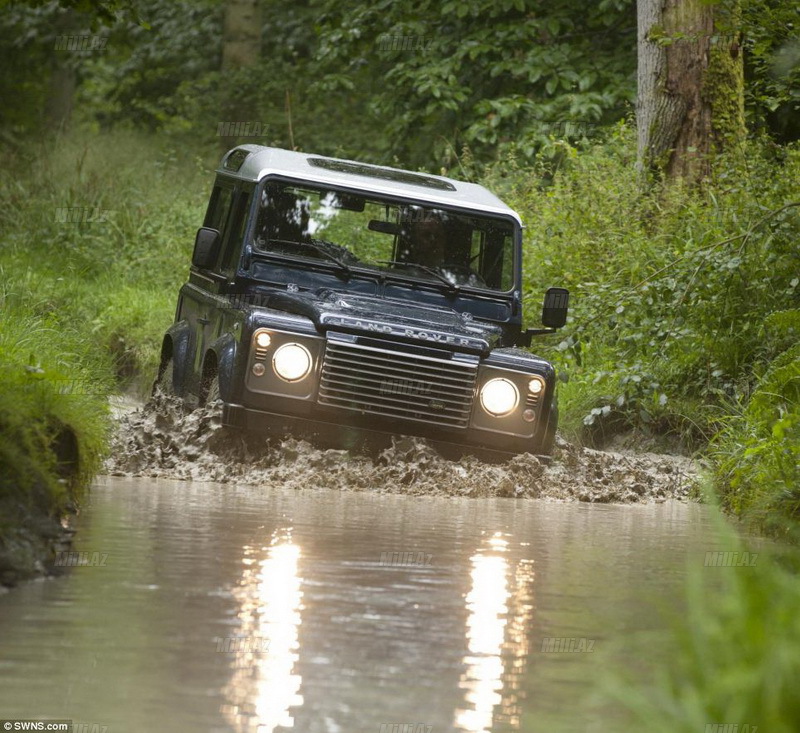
355, 231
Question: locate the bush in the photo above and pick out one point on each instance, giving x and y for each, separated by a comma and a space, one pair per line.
670, 286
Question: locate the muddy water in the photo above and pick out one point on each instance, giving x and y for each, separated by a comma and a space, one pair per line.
216, 607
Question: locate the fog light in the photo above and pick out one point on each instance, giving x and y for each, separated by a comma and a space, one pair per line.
263, 340
528, 415
536, 385
259, 369
499, 397
292, 362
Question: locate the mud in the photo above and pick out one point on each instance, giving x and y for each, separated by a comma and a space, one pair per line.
163, 439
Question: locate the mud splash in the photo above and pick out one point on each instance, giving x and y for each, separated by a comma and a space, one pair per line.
163, 439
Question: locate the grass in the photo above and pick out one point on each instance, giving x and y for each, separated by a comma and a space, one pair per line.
736, 651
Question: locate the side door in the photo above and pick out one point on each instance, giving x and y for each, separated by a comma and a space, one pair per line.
200, 304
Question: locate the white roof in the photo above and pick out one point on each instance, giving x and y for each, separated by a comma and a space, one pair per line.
263, 161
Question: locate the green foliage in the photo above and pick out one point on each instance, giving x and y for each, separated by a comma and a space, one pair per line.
484, 74
52, 383
670, 287
771, 33
99, 234
759, 449
736, 653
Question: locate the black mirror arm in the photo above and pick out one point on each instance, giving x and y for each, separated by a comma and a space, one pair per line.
526, 336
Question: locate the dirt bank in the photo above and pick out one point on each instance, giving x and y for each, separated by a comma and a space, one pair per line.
161, 439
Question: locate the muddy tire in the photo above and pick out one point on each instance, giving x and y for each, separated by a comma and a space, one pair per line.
166, 380
549, 439
211, 391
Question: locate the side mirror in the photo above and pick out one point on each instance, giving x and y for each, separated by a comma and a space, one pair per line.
555, 307
206, 248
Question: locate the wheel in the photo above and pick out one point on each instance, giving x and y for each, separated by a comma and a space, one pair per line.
166, 378
549, 439
211, 391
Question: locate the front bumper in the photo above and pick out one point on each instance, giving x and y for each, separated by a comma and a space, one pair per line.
347, 430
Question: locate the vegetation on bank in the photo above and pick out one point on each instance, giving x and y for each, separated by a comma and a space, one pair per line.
95, 237
735, 647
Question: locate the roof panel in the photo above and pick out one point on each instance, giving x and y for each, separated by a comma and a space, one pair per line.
393, 182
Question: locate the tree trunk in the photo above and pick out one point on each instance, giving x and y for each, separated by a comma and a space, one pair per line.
690, 102
61, 87
241, 49
242, 34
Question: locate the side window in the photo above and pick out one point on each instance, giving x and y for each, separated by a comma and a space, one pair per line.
218, 208
238, 224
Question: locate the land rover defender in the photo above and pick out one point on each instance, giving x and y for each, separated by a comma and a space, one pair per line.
355, 299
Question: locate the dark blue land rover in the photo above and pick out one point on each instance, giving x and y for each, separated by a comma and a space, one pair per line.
354, 299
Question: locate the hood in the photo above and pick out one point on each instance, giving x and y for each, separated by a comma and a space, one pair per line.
373, 314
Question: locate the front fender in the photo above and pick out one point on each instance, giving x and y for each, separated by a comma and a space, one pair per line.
177, 345
224, 349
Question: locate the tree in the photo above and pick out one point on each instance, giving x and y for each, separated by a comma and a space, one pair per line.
241, 49
482, 73
690, 101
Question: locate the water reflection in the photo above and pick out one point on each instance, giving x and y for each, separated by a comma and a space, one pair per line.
498, 619
264, 686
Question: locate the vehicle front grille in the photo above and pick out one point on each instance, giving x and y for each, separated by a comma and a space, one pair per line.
393, 383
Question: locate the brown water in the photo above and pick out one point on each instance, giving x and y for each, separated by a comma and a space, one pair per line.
210, 607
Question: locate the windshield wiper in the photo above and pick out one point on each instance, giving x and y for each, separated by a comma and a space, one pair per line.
319, 248
415, 265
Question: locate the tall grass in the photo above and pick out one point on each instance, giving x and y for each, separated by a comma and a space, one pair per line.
97, 233
53, 400
736, 651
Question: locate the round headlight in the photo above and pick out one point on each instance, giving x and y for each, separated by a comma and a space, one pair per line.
263, 340
499, 397
292, 362
536, 385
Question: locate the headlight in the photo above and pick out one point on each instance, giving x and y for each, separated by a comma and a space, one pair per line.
292, 362
263, 340
536, 385
499, 397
